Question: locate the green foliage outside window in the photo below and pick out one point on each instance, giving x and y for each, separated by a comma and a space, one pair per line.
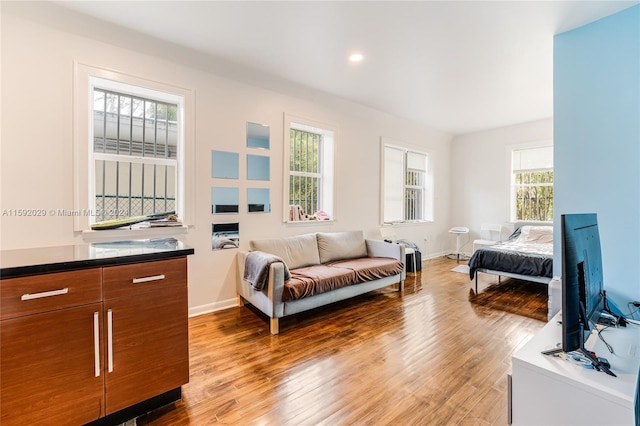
534, 195
304, 181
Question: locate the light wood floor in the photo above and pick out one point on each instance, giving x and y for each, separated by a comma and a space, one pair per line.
435, 355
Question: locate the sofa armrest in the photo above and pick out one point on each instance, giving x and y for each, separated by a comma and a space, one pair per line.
269, 299
377, 248
275, 288
241, 260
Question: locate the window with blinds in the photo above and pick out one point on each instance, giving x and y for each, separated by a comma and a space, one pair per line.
407, 185
135, 152
532, 183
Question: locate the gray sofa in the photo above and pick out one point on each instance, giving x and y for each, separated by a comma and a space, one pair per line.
311, 260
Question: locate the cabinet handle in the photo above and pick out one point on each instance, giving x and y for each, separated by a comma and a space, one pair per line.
96, 343
110, 340
28, 296
147, 279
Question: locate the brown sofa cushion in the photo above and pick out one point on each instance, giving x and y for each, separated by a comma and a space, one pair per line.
318, 279
305, 282
370, 268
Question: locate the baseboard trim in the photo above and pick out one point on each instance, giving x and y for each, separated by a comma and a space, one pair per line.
434, 255
126, 414
213, 307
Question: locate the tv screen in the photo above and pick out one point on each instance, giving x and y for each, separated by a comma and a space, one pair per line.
582, 289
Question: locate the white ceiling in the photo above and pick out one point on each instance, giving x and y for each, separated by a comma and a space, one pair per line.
457, 66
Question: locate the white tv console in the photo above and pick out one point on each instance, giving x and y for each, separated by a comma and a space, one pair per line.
548, 390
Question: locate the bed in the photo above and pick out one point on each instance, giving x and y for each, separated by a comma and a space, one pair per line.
527, 255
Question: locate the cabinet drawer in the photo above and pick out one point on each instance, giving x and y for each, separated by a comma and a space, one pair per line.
134, 279
42, 293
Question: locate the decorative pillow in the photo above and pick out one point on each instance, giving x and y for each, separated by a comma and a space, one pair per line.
537, 234
341, 245
296, 252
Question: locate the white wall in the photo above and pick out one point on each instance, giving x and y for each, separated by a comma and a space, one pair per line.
597, 134
39, 46
480, 173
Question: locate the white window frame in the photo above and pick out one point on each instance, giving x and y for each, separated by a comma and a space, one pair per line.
86, 77
510, 149
327, 159
427, 188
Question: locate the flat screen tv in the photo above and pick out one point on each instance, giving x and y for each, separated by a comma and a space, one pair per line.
583, 296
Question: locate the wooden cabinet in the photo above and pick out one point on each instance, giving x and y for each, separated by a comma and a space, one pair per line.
81, 345
146, 320
50, 349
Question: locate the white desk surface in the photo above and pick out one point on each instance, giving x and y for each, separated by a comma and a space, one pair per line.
624, 362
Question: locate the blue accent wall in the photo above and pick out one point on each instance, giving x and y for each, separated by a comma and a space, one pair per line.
597, 142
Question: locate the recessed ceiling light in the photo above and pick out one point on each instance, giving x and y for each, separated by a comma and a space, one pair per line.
356, 57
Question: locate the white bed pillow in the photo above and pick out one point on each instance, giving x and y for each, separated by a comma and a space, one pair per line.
536, 234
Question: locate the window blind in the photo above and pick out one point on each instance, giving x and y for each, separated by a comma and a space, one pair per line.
393, 184
532, 159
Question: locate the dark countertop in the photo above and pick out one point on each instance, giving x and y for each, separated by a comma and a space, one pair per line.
22, 262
